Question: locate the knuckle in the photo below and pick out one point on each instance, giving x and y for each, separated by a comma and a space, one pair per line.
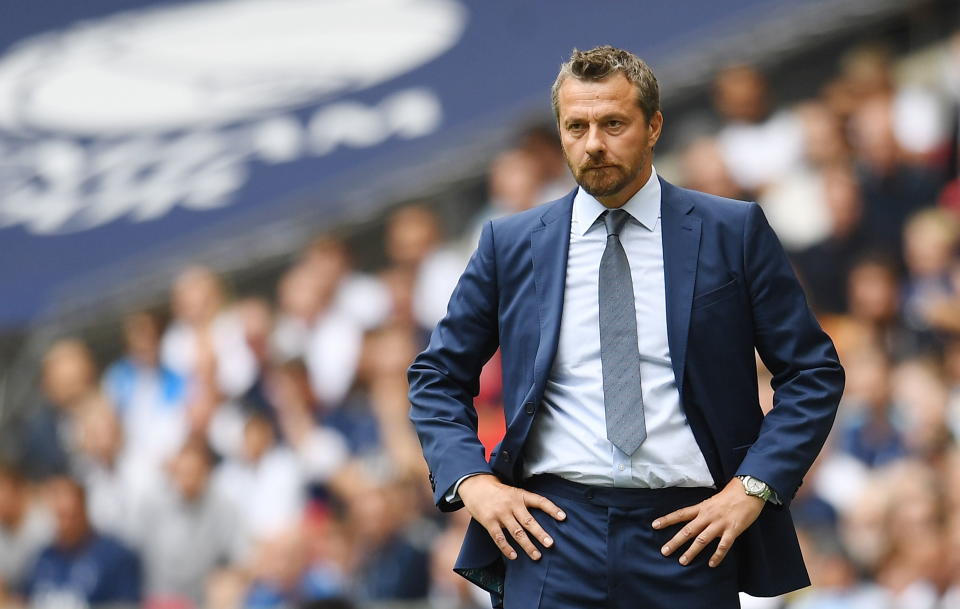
700, 540
499, 538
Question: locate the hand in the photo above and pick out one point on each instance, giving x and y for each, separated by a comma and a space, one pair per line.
725, 515
500, 507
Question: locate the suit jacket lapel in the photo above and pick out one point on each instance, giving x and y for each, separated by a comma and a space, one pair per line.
681, 249
549, 244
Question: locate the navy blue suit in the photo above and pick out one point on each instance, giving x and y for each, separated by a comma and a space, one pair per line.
729, 290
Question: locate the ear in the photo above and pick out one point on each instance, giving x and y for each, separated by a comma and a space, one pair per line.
656, 125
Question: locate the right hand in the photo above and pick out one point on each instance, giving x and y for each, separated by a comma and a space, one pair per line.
499, 507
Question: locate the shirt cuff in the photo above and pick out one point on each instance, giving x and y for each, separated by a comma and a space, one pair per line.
452, 495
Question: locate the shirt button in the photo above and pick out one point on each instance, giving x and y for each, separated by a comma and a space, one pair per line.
620, 467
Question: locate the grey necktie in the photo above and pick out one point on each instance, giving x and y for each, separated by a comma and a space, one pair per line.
619, 353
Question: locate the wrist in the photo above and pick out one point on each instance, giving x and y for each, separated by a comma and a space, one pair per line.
476, 480
757, 488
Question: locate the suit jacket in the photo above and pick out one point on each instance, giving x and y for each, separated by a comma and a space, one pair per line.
729, 290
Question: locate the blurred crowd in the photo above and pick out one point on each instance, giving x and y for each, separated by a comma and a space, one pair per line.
255, 452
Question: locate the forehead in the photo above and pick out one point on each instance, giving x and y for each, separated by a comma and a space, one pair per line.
612, 94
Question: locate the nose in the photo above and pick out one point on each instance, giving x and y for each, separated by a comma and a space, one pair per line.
595, 143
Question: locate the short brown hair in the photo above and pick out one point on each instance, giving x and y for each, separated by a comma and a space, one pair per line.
599, 63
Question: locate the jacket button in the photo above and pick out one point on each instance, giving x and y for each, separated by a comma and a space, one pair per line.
505, 455
529, 407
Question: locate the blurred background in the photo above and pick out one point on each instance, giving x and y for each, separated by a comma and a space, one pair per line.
226, 228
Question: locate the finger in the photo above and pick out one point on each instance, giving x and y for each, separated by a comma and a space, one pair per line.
700, 542
726, 542
533, 527
517, 531
688, 532
681, 515
542, 503
496, 533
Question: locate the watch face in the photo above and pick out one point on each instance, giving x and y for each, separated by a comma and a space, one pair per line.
754, 486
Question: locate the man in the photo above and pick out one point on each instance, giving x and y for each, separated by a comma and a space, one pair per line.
627, 314
25, 528
81, 567
186, 530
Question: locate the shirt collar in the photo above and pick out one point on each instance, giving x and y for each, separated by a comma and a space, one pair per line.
644, 206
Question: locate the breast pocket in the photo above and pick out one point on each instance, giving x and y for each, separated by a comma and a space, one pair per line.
715, 295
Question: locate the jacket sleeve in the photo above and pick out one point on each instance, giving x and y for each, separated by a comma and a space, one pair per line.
807, 377
444, 379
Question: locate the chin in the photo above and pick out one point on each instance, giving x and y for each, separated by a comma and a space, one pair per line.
601, 190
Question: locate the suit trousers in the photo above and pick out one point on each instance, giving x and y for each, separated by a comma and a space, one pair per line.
606, 554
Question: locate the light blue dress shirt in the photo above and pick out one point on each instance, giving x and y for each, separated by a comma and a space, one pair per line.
569, 435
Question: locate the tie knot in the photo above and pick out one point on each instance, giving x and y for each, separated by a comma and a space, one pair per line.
615, 219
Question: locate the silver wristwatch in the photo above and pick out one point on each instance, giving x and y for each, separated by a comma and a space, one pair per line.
756, 488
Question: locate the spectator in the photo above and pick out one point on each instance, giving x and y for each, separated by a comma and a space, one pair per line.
114, 483
25, 528
911, 569
930, 294
312, 328
413, 242
281, 577
205, 342
825, 266
394, 562
447, 589
834, 577
186, 530
705, 169
869, 433
759, 147
265, 481
516, 179
81, 566
69, 383
374, 418
919, 391
321, 450
892, 190
796, 203
361, 297
257, 320
150, 397
873, 303
542, 142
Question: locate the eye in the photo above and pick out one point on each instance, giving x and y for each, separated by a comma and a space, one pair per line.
574, 126
614, 123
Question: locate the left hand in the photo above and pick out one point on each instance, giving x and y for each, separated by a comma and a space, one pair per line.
725, 515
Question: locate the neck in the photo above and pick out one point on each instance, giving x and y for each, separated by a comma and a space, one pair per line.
619, 198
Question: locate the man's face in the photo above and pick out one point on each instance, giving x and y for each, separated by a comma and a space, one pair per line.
69, 509
607, 141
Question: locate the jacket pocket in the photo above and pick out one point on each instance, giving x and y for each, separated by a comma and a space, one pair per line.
716, 294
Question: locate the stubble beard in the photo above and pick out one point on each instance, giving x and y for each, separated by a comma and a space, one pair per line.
603, 182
